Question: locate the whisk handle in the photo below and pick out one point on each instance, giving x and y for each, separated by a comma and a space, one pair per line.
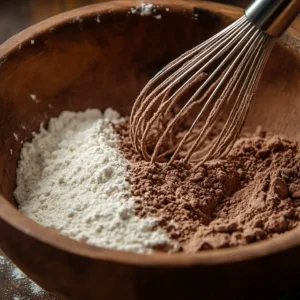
272, 16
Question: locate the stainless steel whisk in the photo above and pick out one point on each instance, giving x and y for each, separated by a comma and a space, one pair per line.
218, 75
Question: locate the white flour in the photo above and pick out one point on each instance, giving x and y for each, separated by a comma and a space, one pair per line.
146, 9
143, 9
2, 260
71, 178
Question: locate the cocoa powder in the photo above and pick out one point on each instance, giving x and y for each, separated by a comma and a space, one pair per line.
252, 195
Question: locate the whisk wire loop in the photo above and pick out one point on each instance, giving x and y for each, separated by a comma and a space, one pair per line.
220, 77
143, 101
175, 78
252, 66
227, 93
219, 101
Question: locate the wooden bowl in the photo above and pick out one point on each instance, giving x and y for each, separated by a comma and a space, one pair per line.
100, 56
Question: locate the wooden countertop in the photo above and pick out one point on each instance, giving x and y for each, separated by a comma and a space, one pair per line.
16, 286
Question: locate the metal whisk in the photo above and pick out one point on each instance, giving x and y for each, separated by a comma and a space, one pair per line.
218, 76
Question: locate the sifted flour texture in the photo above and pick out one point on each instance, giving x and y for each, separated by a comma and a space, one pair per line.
72, 178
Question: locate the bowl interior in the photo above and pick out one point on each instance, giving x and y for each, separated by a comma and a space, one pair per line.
82, 60
87, 63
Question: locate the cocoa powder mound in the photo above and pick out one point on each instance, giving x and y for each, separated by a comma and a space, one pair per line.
252, 195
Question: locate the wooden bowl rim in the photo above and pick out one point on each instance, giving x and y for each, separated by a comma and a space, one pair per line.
13, 217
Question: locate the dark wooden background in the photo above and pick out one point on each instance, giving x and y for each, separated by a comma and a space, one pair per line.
16, 15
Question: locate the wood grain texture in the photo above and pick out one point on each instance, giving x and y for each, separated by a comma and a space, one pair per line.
75, 65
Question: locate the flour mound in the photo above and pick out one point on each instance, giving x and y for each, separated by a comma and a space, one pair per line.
72, 178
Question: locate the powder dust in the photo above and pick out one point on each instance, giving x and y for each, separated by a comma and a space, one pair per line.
83, 179
252, 195
16, 283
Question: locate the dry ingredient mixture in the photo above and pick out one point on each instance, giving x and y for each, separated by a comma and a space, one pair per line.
82, 178
253, 194
72, 178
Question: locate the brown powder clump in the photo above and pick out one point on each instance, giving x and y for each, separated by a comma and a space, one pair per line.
253, 194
